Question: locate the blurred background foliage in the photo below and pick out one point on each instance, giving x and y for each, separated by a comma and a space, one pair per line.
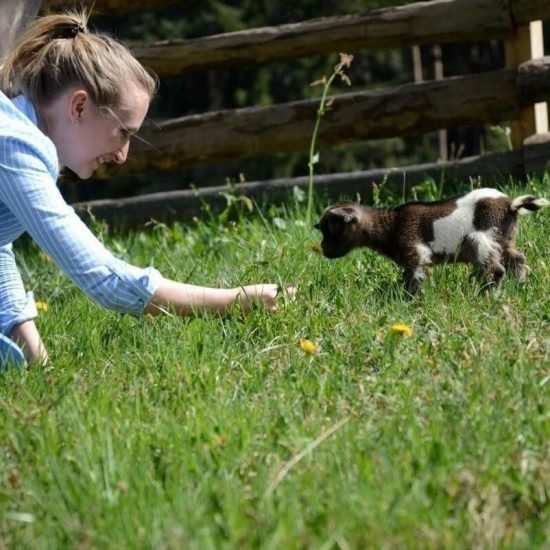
199, 91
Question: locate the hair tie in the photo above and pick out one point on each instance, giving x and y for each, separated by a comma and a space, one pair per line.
70, 31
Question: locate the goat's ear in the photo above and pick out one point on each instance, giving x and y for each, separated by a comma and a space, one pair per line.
317, 226
346, 214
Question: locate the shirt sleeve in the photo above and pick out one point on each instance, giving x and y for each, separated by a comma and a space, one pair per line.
16, 305
29, 190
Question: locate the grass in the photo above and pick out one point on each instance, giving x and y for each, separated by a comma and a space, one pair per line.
211, 433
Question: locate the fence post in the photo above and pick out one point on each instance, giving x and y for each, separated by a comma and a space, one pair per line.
527, 44
438, 75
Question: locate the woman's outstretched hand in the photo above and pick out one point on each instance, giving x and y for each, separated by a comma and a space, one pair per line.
184, 299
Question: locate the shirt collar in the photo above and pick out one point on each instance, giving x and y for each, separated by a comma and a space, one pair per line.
24, 104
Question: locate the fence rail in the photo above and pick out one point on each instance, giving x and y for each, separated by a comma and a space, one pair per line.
405, 110
186, 205
434, 22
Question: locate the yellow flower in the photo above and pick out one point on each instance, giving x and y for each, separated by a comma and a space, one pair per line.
308, 346
41, 306
401, 329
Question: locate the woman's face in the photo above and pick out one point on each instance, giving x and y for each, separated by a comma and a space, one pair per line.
86, 136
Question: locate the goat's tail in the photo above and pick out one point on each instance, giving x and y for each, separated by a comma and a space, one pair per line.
528, 203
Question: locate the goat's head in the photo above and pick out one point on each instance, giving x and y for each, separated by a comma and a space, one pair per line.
340, 228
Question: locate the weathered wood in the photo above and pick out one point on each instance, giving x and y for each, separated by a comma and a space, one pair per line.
533, 80
105, 7
527, 44
185, 205
409, 109
14, 15
436, 21
536, 154
439, 75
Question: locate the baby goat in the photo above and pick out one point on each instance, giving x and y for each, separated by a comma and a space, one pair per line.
478, 228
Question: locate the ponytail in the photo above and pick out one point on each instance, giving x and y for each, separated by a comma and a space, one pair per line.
57, 52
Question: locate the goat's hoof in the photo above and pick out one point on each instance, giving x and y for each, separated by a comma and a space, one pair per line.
490, 286
521, 273
412, 294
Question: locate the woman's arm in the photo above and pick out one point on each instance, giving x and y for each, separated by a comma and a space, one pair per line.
26, 336
184, 299
17, 309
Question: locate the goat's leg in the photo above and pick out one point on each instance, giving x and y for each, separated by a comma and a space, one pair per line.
486, 255
514, 261
412, 279
494, 272
413, 265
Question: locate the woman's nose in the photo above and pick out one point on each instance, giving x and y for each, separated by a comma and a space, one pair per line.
121, 155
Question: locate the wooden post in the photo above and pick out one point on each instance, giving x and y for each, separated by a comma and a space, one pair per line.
438, 75
527, 44
417, 63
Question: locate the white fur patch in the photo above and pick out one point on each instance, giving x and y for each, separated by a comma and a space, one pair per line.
517, 204
449, 232
419, 274
424, 254
486, 245
478, 194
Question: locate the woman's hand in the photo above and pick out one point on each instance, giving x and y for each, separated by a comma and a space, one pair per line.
266, 294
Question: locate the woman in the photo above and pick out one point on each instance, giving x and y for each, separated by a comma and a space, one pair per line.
72, 98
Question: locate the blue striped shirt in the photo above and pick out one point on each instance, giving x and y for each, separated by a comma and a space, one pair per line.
30, 201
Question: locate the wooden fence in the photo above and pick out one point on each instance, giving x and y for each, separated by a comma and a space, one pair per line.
410, 109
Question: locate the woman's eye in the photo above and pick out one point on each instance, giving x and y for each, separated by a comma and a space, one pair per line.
125, 133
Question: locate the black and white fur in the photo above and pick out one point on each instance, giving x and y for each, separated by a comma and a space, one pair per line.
478, 228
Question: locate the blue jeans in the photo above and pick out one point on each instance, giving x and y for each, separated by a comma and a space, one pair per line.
10, 354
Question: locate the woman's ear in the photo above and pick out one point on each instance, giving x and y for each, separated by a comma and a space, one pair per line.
77, 105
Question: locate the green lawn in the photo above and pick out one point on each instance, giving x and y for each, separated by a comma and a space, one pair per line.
212, 433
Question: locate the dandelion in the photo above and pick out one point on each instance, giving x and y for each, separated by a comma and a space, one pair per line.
41, 306
401, 329
309, 347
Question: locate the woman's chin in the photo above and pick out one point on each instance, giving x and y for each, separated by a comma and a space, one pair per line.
84, 172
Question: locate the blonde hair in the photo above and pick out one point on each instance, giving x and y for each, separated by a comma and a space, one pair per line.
57, 52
